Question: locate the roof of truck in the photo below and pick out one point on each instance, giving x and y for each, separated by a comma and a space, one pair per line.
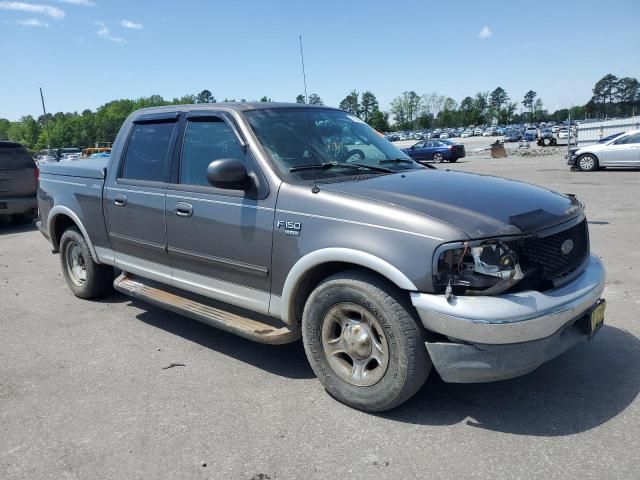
239, 106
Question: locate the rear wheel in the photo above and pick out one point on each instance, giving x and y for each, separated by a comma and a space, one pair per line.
587, 162
438, 157
86, 278
364, 342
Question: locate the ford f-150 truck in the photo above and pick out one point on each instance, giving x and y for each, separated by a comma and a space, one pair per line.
283, 221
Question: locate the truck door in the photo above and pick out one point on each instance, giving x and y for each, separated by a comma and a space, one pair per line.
135, 195
219, 240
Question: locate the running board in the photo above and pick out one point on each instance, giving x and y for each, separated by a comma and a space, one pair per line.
199, 309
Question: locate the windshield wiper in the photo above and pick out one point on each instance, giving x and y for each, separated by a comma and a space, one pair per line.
396, 160
328, 165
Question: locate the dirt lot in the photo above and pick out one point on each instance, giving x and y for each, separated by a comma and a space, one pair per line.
84, 393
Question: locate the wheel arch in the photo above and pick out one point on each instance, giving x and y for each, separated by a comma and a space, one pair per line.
312, 268
60, 218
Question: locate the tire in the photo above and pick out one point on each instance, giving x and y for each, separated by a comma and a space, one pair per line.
349, 319
438, 157
86, 278
587, 162
546, 142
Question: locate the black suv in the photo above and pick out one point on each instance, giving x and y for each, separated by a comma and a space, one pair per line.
18, 179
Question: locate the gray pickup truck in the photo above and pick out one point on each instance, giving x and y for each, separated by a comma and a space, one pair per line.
280, 221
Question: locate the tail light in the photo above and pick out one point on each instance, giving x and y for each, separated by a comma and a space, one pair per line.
36, 173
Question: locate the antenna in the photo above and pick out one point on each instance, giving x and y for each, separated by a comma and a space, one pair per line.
46, 124
304, 75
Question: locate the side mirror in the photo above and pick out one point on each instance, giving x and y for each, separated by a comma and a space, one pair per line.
228, 173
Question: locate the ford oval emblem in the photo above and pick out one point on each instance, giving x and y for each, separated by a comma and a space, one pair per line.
566, 247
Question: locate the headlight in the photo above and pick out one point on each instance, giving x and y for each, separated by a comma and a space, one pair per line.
477, 268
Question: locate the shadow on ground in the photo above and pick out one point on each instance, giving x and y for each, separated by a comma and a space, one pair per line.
8, 227
584, 388
283, 360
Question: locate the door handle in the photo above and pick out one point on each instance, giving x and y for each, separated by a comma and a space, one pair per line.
184, 209
120, 200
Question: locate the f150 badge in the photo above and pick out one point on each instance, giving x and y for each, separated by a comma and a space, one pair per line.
290, 228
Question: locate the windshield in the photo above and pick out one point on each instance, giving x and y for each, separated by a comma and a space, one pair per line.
336, 142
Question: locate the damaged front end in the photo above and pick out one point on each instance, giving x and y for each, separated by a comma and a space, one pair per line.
485, 267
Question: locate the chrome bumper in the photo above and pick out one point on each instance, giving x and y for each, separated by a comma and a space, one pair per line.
512, 318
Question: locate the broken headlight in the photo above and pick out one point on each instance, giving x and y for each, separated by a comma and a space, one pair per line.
477, 268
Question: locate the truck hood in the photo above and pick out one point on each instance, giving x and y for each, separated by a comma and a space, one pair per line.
479, 205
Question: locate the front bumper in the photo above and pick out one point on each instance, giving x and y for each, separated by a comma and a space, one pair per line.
498, 337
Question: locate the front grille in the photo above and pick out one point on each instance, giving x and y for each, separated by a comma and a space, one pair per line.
544, 256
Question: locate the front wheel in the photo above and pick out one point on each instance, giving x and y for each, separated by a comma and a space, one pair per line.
438, 157
587, 162
86, 278
364, 342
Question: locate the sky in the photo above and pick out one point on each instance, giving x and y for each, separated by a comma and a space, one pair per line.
84, 53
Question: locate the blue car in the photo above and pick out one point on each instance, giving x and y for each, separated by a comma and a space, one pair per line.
437, 150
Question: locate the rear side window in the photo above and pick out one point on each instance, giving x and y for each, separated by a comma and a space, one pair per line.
205, 141
149, 151
14, 157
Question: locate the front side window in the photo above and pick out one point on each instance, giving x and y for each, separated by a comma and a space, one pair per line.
308, 144
148, 155
635, 138
205, 141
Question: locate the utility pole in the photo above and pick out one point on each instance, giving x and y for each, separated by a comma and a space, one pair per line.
304, 75
46, 123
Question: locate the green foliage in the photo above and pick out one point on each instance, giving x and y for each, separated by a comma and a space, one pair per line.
314, 99
300, 98
205, 96
350, 103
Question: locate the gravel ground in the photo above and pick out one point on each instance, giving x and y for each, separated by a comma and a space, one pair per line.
84, 393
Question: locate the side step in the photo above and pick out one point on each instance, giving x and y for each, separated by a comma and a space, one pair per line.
200, 308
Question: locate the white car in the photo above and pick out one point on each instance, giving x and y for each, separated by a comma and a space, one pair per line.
477, 132
466, 134
489, 132
622, 151
564, 133
444, 135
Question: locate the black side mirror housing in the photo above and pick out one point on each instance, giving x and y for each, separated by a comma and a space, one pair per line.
229, 173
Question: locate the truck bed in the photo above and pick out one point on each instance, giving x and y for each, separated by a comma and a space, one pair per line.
91, 168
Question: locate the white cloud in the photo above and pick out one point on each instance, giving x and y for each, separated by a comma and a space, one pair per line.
84, 3
52, 12
32, 22
103, 32
129, 24
485, 33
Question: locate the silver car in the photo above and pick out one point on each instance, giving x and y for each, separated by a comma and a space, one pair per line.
622, 151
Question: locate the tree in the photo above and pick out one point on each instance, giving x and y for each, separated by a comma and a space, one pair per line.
498, 98
406, 108
480, 104
350, 103
466, 111
368, 105
379, 121
300, 98
205, 96
314, 99
4, 128
527, 102
265, 99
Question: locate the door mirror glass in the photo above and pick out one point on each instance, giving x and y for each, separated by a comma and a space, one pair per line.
228, 173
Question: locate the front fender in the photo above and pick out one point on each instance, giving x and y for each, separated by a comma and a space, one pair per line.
283, 307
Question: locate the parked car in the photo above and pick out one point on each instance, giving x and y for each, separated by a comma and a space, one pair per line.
466, 134
477, 132
437, 150
530, 134
264, 223
621, 151
512, 136
18, 178
489, 132
444, 135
